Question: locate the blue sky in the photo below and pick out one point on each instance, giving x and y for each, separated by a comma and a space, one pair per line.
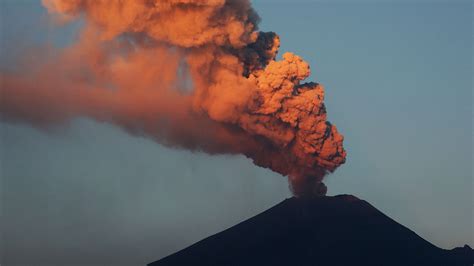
398, 80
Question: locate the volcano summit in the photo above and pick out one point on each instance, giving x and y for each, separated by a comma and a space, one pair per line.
339, 230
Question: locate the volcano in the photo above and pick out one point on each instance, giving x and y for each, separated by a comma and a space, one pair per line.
338, 230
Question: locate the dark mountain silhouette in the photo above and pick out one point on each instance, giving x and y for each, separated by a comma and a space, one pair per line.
340, 230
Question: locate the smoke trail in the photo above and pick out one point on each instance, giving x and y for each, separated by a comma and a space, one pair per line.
130, 67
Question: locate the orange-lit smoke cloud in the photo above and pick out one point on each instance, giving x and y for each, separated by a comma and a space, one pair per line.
192, 74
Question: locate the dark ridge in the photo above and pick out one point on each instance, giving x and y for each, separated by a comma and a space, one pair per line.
339, 230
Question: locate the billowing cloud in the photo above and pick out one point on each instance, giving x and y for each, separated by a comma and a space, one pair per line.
192, 74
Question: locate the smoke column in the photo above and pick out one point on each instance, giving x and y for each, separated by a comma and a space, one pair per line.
191, 74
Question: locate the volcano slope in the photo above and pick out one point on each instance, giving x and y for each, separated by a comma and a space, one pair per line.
338, 230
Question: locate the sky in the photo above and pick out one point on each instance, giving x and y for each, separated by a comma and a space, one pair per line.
398, 81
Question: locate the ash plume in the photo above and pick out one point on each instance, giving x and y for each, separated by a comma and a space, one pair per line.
133, 59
